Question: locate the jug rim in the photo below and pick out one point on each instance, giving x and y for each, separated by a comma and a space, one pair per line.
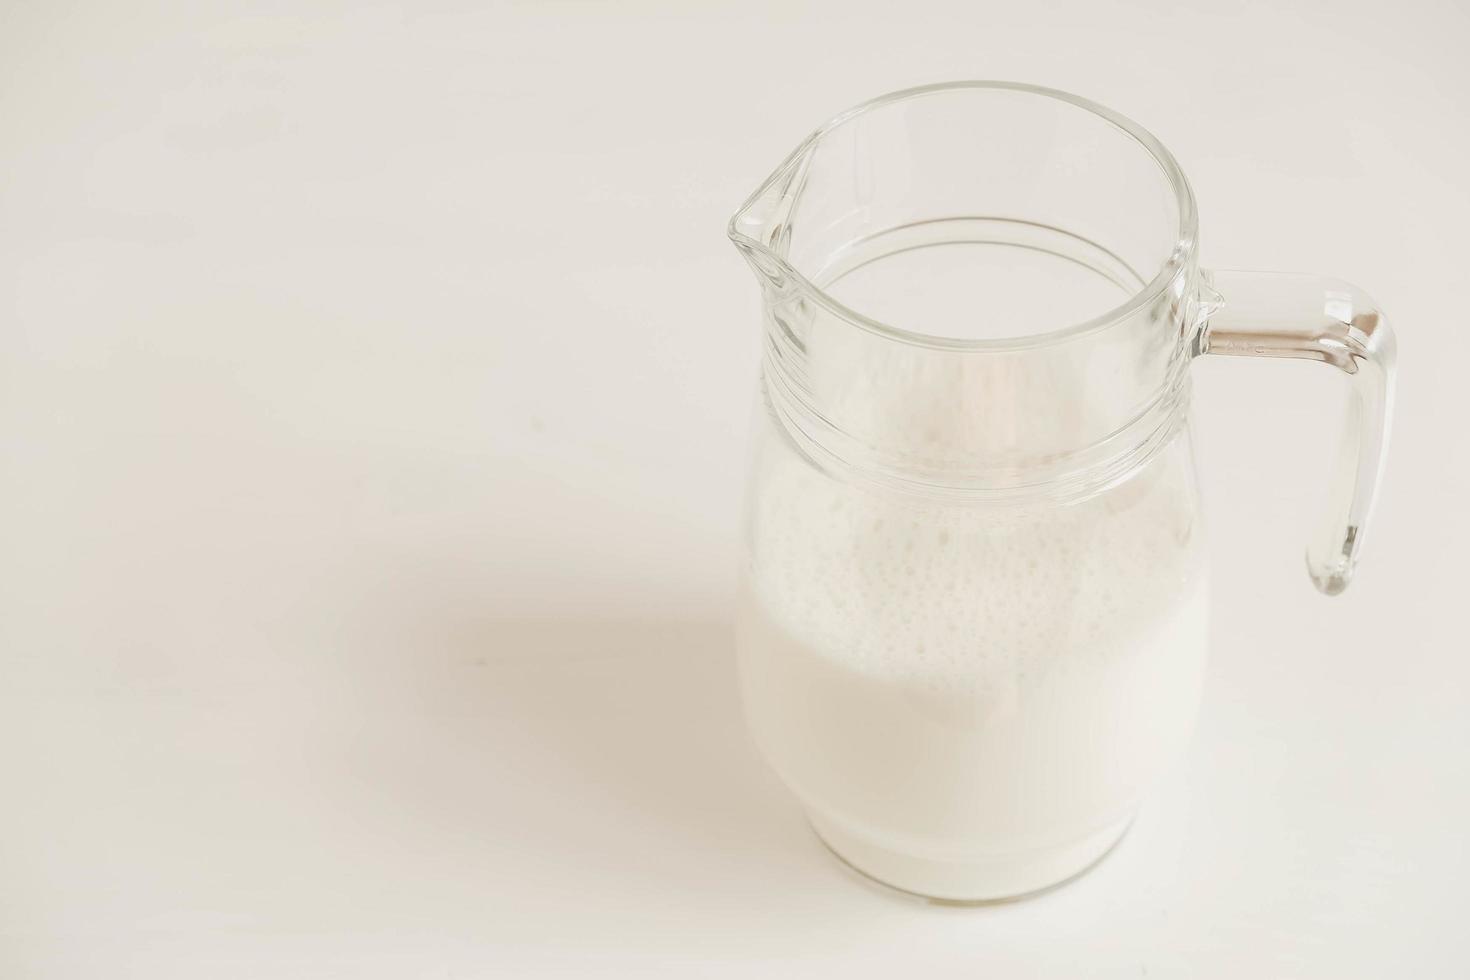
1178, 260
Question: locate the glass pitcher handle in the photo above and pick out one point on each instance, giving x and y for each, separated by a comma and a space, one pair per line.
1269, 314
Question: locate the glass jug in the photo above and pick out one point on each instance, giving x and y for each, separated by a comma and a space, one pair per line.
973, 603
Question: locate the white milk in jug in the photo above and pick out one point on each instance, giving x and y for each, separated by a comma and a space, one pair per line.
969, 701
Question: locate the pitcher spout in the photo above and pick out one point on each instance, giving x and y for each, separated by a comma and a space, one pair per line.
761, 229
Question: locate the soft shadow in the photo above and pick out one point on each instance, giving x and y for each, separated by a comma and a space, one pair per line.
594, 755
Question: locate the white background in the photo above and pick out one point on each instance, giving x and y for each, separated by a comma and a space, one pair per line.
373, 390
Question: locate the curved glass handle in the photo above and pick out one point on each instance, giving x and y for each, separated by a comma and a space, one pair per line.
1269, 314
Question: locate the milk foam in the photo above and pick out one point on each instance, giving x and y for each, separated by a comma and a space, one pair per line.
946, 595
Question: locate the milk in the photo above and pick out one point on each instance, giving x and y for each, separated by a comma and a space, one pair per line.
971, 700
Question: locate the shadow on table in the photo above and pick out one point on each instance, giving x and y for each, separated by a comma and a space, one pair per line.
596, 754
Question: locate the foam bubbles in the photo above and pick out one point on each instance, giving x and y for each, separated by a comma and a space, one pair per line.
954, 597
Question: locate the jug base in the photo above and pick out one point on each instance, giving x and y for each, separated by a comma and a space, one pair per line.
1003, 878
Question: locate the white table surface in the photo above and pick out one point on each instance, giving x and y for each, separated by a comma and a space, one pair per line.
373, 391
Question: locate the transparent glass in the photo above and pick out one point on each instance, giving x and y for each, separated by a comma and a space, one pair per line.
973, 606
